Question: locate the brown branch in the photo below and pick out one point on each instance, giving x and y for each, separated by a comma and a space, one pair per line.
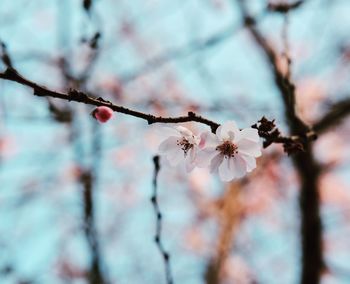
77, 96
158, 236
95, 275
284, 85
88, 181
334, 116
271, 134
291, 144
305, 163
4, 56
283, 7
87, 5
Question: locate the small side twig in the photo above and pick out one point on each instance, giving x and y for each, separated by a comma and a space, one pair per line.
271, 134
87, 4
158, 236
286, 46
337, 112
284, 8
4, 56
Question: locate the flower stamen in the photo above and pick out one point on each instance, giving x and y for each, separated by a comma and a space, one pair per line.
227, 149
185, 145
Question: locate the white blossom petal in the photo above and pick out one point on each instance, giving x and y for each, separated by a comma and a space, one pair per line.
226, 172
194, 139
238, 165
215, 163
249, 147
228, 130
164, 132
190, 160
175, 157
204, 157
175, 153
209, 139
250, 162
192, 153
249, 134
168, 145
185, 132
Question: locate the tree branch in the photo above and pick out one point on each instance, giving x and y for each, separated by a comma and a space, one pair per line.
77, 96
4, 56
266, 128
305, 163
158, 236
284, 85
335, 115
95, 275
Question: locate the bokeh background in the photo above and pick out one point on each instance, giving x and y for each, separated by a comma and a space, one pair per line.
164, 57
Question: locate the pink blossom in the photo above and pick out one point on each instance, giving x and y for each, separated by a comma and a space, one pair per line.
102, 113
231, 152
181, 145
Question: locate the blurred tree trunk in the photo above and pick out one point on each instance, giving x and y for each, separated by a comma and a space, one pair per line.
229, 215
311, 227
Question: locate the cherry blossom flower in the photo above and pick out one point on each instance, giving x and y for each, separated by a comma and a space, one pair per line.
181, 145
102, 114
231, 152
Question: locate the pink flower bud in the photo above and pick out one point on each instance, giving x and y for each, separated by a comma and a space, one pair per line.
102, 113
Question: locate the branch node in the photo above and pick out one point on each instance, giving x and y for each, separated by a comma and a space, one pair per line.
39, 93
249, 21
150, 120
191, 114
166, 256
76, 95
284, 8
156, 239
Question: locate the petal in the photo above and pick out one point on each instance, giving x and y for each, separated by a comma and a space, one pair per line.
168, 144
215, 163
175, 157
228, 130
194, 139
193, 153
164, 132
250, 162
226, 172
184, 131
190, 161
204, 157
249, 134
248, 147
239, 166
209, 139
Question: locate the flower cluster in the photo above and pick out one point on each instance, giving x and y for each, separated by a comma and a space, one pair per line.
230, 152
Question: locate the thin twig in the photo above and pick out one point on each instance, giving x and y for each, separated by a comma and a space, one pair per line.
4, 56
286, 47
158, 236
